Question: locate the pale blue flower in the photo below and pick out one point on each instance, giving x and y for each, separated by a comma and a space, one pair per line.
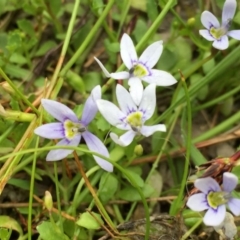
214, 198
131, 117
219, 33
70, 129
140, 68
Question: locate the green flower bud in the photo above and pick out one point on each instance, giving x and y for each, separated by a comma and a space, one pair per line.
191, 22
48, 202
138, 150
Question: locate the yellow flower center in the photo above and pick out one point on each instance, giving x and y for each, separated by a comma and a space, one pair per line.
139, 70
218, 32
72, 129
135, 120
216, 199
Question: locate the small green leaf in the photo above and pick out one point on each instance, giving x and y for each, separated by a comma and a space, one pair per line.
45, 47
203, 92
168, 59
55, 6
102, 124
140, 29
236, 19
227, 106
139, 181
75, 81
107, 187
5, 233
91, 79
209, 65
117, 153
182, 50
18, 58
14, 40
88, 221
131, 194
10, 223
152, 10
140, 5
48, 231
197, 156
111, 47
26, 26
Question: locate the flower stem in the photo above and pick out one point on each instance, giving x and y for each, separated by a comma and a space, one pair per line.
31, 192
58, 195
98, 202
64, 48
189, 232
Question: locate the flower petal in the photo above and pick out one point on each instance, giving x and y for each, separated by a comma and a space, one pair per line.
112, 114
96, 145
160, 78
125, 139
125, 101
128, 52
120, 75
136, 89
149, 130
215, 217
206, 34
58, 110
90, 108
230, 182
51, 130
207, 184
209, 20
234, 34
105, 71
148, 102
234, 206
228, 12
152, 54
198, 202
58, 154
222, 43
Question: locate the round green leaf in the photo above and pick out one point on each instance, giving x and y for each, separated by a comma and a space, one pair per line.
88, 221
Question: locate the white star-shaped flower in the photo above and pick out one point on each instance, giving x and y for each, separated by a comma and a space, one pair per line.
130, 117
140, 68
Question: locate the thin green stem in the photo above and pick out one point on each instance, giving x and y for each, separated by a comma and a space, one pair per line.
65, 46
190, 231
219, 128
31, 192
88, 39
118, 213
126, 5
75, 201
155, 25
4, 135
218, 100
58, 195
130, 211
